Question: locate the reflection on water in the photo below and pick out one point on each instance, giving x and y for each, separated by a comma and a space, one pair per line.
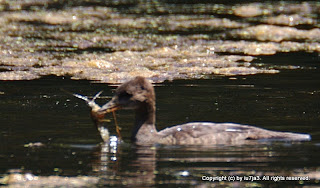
47, 132
189, 165
114, 170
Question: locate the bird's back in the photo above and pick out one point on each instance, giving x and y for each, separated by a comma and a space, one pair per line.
206, 133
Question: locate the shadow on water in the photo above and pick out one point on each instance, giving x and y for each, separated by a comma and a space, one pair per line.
47, 132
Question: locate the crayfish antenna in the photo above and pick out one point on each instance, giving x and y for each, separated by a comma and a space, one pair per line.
91, 103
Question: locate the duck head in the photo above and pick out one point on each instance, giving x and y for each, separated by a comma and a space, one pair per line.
133, 94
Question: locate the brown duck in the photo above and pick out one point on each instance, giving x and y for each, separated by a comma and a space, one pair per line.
138, 94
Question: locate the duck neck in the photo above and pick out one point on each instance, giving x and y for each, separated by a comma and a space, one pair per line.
144, 121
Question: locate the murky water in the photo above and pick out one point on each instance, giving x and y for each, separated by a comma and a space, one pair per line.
249, 63
40, 111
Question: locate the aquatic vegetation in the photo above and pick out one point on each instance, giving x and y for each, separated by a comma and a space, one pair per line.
117, 40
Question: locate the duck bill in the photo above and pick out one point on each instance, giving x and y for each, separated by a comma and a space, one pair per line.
98, 114
111, 106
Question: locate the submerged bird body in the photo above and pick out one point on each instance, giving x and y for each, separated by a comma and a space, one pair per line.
138, 94
207, 133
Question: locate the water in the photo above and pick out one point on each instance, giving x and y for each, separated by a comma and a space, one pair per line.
47, 132
114, 41
41, 111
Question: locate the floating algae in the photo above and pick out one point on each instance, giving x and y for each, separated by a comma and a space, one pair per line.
115, 41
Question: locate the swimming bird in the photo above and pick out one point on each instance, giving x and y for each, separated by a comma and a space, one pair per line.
138, 94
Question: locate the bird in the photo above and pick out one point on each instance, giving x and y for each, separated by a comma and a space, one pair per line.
138, 94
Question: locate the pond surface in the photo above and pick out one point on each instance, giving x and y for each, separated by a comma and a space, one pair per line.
113, 41
243, 62
45, 131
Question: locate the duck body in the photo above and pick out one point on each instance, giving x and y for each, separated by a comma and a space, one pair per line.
208, 133
138, 94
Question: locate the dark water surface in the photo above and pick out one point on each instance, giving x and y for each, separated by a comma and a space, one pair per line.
39, 111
